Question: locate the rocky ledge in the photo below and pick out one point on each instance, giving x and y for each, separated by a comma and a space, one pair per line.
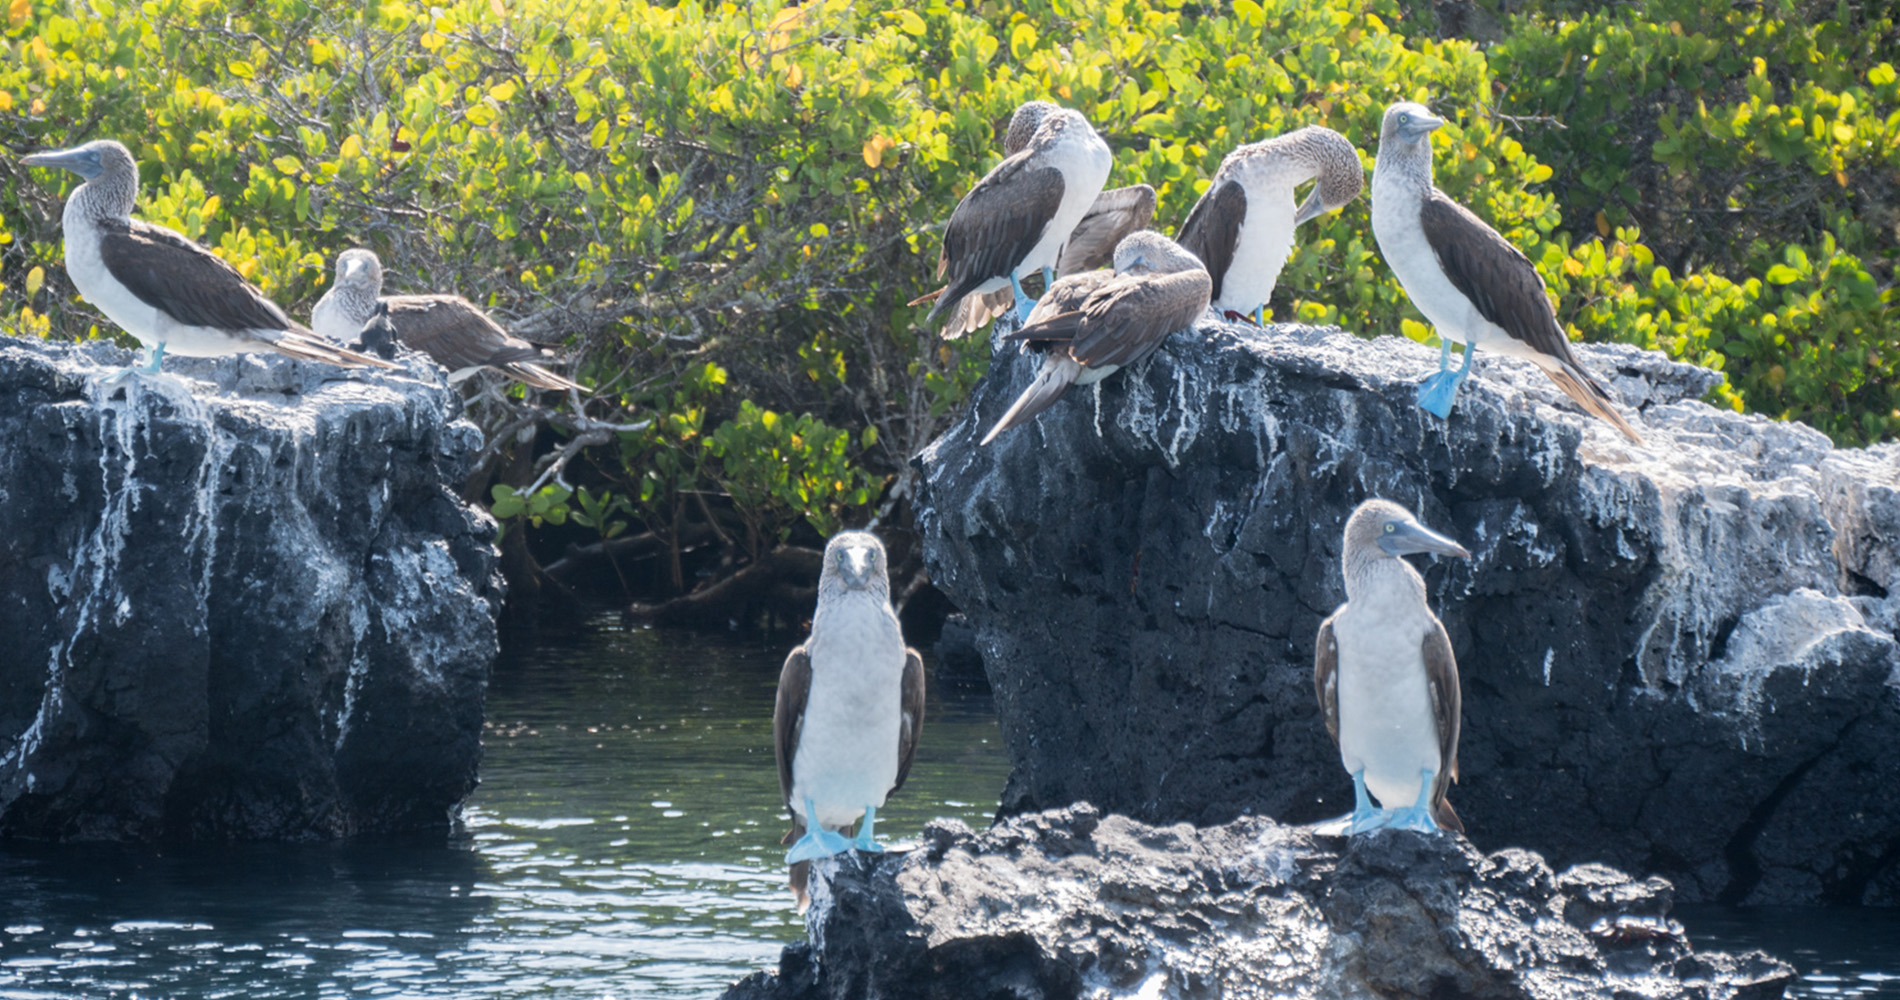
1066, 904
241, 600
1677, 657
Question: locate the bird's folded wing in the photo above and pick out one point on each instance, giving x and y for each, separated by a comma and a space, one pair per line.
1493, 274
189, 283
1128, 319
1212, 229
1115, 213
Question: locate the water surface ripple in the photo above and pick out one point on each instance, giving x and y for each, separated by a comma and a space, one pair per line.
624, 843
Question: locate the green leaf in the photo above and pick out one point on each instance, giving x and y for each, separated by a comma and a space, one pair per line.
1782, 274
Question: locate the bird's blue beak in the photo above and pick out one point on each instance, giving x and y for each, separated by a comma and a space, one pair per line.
1412, 538
1312, 208
79, 160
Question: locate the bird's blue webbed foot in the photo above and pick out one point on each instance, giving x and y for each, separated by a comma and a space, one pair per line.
866, 830
1440, 389
1260, 316
1365, 816
1024, 304
817, 842
1418, 815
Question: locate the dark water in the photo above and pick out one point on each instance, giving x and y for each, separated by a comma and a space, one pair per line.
624, 843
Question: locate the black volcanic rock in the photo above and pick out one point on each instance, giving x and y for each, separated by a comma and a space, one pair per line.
1677, 657
254, 610
1066, 904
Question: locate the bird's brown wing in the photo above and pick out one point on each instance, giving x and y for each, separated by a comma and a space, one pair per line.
1212, 229
788, 716
1493, 274
454, 332
1326, 676
1509, 292
912, 715
189, 283
995, 227
1127, 319
1114, 214
1441, 675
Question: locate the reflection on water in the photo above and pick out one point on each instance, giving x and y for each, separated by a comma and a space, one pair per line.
1839, 953
624, 843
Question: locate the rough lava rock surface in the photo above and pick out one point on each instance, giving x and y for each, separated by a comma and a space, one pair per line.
1677, 657
252, 610
1067, 904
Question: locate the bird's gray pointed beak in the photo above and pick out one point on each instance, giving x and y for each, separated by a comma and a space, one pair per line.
1412, 539
857, 568
1423, 125
80, 160
1312, 208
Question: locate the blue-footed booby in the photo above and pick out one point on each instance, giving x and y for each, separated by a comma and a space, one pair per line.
1385, 676
1474, 286
1093, 323
1242, 227
1114, 214
1018, 218
850, 706
448, 328
160, 287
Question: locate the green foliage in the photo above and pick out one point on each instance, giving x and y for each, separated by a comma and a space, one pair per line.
547, 504
723, 208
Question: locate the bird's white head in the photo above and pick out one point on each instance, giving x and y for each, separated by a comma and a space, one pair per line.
359, 269
1148, 252
1408, 123
1023, 125
854, 560
1381, 529
98, 157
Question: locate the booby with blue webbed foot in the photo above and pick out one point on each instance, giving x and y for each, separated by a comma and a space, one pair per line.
1386, 679
850, 707
1470, 282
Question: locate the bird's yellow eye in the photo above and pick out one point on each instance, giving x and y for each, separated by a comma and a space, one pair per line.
1405, 118
1390, 528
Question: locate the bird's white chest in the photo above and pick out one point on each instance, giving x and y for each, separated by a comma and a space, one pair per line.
1085, 161
1401, 239
1387, 727
1261, 247
96, 285
331, 319
848, 749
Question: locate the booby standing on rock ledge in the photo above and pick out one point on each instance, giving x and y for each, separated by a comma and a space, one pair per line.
1017, 219
1094, 323
850, 706
1114, 214
1474, 286
1385, 676
448, 328
1242, 227
160, 287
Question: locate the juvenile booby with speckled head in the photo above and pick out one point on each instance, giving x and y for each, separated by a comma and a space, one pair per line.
850, 706
160, 287
1091, 324
1474, 286
1018, 218
1242, 227
1114, 214
1385, 676
450, 329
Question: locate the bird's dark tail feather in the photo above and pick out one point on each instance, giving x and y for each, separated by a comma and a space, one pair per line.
1592, 396
539, 377
1060, 327
1446, 816
1057, 374
310, 347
